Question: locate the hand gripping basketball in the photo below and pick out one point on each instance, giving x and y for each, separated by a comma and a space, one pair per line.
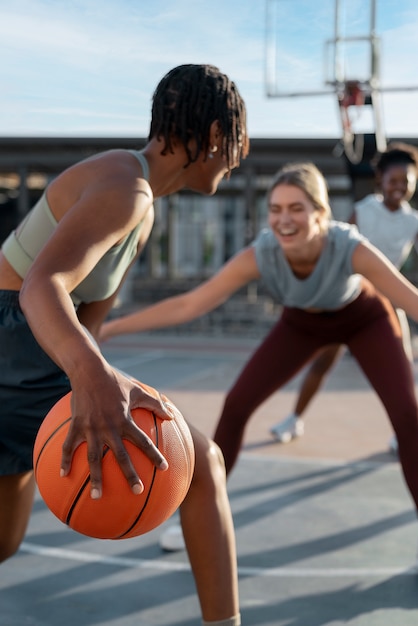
118, 514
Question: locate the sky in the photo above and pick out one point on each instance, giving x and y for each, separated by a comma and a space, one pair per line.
88, 68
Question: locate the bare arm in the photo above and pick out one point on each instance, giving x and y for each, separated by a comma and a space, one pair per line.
110, 205
373, 265
239, 271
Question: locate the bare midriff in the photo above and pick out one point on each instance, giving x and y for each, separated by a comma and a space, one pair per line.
9, 279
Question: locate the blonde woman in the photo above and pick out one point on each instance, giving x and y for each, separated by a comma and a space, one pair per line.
330, 281
389, 223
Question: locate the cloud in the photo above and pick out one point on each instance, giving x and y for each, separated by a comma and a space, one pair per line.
71, 63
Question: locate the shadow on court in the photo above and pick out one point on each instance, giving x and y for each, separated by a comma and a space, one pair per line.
326, 530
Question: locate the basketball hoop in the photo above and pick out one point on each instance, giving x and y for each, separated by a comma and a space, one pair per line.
352, 96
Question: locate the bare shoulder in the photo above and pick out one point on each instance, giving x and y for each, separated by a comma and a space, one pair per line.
112, 178
367, 258
104, 167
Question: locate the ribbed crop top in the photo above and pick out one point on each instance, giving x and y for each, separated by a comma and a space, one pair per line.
23, 244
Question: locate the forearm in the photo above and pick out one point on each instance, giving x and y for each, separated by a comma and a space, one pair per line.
403, 296
193, 304
392, 284
53, 320
170, 312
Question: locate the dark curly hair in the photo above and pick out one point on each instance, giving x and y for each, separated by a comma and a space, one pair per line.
397, 153
186, 102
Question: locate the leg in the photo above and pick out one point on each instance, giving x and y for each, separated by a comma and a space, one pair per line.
315, 376
380, 353
292, 426
406, 334
407, 344
16, 496
281, 355
30, 384
209, 533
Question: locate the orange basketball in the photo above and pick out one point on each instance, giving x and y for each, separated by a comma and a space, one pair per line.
118, 514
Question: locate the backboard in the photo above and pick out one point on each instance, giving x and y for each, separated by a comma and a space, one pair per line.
352, 49
312, 48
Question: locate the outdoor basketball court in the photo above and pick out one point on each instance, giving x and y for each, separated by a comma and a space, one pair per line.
326, 531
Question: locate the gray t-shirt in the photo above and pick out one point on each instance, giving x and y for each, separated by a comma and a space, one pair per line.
331, 285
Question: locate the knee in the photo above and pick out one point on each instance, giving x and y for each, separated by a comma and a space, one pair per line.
405, 424
236, 410
8, 548
17, 491
210, 467
231, 405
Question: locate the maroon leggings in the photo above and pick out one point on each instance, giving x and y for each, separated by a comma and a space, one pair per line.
370, 329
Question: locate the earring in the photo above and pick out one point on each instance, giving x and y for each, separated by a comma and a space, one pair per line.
212, 149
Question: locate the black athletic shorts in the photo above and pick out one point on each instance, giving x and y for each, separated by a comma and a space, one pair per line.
30, 384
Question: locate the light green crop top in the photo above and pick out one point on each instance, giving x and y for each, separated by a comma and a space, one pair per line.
23, 244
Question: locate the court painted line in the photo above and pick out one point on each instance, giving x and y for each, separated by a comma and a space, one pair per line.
361, 464
90, 557
274, 572
144, 357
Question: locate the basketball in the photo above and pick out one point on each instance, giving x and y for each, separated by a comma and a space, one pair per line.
118, 514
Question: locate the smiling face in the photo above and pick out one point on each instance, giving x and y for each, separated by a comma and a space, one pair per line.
293, 217
398, 184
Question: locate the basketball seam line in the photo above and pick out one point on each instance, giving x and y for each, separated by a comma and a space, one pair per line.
138, 517
49, 439
80, 492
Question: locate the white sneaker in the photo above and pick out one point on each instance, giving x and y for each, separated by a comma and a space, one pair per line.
172, 539
393, 445
290, 428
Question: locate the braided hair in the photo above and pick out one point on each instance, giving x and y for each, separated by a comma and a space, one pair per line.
188, 99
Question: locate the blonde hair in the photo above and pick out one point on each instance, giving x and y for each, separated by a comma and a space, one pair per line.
311, 181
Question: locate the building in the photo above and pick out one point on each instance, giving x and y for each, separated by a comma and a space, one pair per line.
193, 234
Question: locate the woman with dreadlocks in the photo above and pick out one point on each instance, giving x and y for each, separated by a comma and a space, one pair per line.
60, 271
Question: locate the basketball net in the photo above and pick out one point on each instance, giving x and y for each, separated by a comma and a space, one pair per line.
351, 99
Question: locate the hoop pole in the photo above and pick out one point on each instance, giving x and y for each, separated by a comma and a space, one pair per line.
380, 136
372, 18
338, 71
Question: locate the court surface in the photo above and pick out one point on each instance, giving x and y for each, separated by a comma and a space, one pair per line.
326, 530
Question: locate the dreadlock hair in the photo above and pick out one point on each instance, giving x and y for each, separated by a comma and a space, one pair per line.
397, 153
186, 102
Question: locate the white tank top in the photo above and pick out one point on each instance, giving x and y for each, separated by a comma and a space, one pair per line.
392, 232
